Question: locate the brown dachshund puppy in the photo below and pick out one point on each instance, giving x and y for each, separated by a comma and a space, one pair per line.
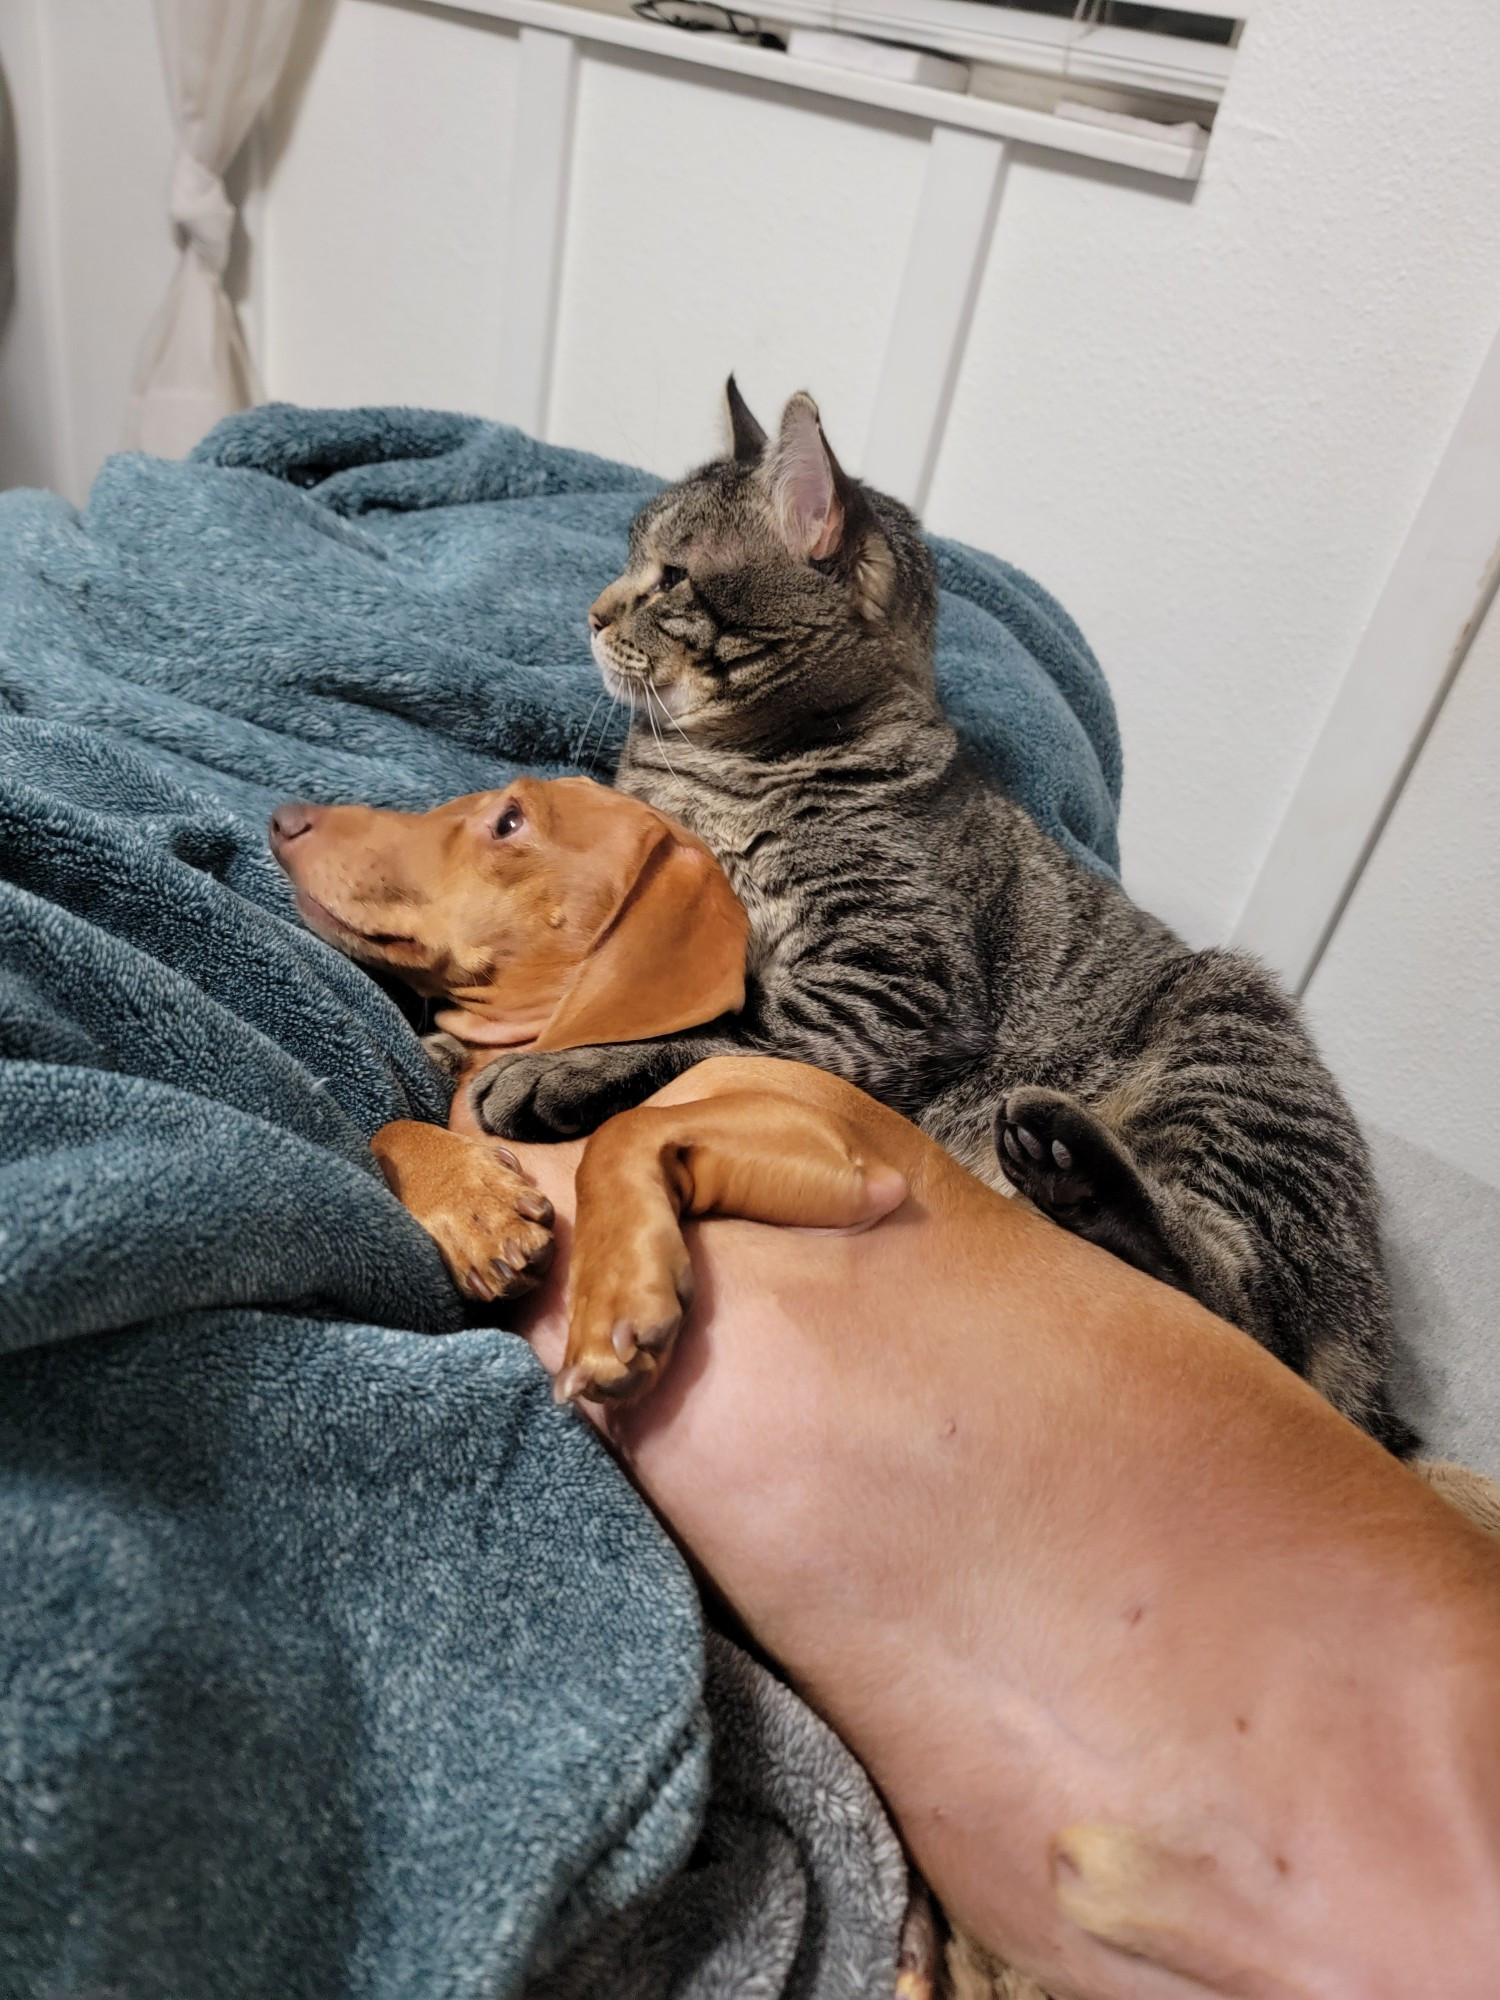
1176, 1685
551, 914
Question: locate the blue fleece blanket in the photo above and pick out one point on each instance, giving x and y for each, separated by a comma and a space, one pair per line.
333, 1660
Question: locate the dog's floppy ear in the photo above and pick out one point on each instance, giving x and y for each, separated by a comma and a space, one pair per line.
671, 954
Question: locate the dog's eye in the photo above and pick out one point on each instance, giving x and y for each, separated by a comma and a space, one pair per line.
509, 822
670, 577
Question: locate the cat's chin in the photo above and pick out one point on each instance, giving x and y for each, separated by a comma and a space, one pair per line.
644, 696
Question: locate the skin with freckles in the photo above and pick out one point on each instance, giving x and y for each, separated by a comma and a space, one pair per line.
1175, 1683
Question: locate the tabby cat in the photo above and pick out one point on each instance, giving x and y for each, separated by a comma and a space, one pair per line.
914, 931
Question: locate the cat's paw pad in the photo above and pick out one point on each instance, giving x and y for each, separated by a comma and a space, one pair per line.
1062, 1158
1071, 1166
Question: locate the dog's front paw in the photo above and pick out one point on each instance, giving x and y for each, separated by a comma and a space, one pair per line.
492, 1225
559, 1094
494, 1229
627, 1299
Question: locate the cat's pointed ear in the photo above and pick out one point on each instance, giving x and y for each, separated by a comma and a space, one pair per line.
747, 439
804, 483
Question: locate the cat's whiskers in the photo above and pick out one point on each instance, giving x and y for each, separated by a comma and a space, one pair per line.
652, 699
614, 703
581, 745
670, 717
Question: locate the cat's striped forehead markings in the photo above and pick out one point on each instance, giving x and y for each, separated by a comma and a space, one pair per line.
717, 515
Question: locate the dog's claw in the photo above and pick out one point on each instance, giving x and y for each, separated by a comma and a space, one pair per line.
493, 1229
604, 1379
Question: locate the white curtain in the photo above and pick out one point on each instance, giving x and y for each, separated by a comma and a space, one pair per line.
222, 59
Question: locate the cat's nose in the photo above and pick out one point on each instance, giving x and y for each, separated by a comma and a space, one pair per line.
608, 605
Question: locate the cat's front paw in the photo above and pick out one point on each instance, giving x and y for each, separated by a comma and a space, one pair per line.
451, 1055
556, 1094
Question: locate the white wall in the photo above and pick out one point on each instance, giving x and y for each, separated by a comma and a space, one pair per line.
1406, 1001
1205, 420
95, 253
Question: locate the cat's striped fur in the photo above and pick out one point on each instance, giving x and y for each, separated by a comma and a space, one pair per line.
914, 931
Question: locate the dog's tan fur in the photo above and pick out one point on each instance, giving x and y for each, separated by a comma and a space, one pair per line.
1175, 1683
548, 914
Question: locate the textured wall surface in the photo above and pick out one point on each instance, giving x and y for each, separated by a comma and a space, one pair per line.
1406, 1001
1205, 419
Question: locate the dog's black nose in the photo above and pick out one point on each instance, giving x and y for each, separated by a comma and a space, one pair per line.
291, 821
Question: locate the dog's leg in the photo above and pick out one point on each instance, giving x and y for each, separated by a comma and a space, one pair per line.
493, 1226
972, 1973
761, 1155
1475, 1496
1166, 1909
917, 1958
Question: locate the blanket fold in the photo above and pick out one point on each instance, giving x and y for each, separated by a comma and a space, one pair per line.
335, 1661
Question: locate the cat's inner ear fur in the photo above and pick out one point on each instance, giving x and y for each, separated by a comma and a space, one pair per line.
747, 439
803, 486
821, 511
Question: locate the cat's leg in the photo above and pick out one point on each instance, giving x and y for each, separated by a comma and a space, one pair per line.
1223, 1158
1318, 1306
563, 1093
1081, 1172
1073, 1168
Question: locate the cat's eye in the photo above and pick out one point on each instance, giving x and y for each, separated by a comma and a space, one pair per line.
509, 822
670, 577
